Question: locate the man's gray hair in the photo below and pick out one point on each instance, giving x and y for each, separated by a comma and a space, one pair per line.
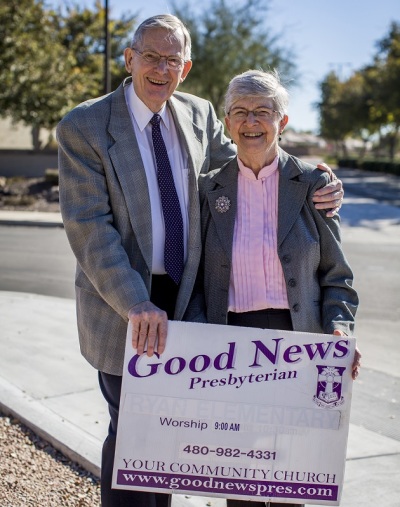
257, 83
168, 22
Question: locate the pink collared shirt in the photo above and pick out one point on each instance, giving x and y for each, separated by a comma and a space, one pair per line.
257, 280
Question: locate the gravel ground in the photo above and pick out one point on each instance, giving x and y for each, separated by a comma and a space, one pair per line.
29, 194
34, 474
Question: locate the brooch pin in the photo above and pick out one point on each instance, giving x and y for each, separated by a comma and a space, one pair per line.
222, 204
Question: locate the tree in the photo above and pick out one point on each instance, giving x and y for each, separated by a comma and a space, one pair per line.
35, 75
332, 112
386, 107
345, 109
51, 61
82, 33
228, 40
368, 102
357, 100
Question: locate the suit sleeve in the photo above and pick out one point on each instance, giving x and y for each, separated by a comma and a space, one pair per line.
220, 148
339, 299
89, 222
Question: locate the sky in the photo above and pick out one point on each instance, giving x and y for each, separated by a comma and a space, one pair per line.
325, 35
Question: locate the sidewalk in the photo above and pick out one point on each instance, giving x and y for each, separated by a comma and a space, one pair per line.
28, 218
45, 382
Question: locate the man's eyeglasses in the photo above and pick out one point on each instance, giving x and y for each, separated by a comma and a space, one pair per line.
262, 113
173, 62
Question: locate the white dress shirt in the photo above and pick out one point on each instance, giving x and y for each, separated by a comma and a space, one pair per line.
141, 116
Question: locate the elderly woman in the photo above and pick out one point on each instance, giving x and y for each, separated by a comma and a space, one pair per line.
270, 259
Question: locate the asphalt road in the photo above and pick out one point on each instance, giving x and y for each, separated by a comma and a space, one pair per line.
39, 260
36, 260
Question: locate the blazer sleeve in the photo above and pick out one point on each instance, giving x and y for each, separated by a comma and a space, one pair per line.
220, 148
88, 220
339, 299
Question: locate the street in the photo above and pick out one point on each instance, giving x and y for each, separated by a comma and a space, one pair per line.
36, 260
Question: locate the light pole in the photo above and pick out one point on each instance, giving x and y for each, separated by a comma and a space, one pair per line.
107, 51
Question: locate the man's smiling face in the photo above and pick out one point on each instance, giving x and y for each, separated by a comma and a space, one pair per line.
155, 83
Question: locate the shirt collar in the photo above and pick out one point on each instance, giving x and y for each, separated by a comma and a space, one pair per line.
141, 112
264, 173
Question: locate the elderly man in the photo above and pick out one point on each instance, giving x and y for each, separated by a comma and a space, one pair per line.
129, 163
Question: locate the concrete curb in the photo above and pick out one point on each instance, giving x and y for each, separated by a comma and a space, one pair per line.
31, 218
73, 442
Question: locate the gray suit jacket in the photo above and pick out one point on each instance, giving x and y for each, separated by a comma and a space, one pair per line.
318, 277
106, 211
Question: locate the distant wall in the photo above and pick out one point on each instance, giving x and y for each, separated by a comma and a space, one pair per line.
301, 151
28, 163
33, 164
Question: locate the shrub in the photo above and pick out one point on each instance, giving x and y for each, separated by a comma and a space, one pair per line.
382, 166
351, 163
51, 176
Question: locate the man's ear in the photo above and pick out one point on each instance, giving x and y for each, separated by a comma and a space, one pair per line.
186, 69
128, 56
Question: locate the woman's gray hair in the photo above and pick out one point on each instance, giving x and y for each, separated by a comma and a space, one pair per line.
257, 83
168, 22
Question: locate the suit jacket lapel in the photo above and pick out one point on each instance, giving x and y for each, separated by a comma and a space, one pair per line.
189, 133
128, 164
291, 194
193, 145
226, 192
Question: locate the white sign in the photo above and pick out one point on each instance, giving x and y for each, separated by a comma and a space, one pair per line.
237, 412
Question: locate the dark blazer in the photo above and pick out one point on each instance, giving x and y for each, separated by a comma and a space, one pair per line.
318, 277
105, 206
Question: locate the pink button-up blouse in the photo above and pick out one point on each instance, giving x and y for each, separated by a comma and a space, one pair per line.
257, 280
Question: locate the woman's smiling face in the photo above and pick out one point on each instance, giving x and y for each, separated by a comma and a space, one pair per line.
254, 126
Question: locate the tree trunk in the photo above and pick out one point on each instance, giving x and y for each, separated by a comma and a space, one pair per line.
344, 148
35, 137
363, 150
393, 140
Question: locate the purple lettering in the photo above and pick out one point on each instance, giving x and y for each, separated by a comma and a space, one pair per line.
271, 356
291, 351
229, 356
195, 363
169, 365
133, 363
342, 347
319, 349
175, 365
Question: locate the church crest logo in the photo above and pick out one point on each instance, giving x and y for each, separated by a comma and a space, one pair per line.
329, 386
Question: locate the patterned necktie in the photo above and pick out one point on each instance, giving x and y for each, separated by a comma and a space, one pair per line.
173, 251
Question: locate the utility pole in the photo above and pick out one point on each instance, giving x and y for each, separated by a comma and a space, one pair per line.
107, 51
339, 69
